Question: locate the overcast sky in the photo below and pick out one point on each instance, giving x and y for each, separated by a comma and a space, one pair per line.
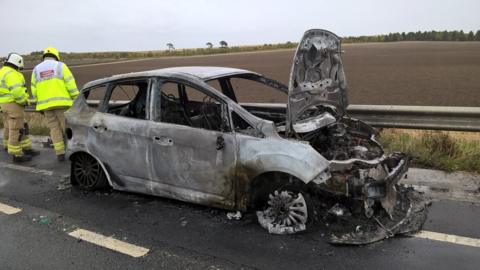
118, 25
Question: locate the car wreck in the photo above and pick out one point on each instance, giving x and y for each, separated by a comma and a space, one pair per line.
183, 133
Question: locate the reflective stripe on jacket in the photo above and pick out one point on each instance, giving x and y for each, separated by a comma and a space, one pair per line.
12, 86
53, 85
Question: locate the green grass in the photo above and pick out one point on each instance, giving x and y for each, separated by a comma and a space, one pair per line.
39, 130
35, 123
447, 151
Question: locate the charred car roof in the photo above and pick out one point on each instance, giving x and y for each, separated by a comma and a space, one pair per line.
204, 73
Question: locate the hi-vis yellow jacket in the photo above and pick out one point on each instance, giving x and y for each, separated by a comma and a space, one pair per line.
12, 86
53, 85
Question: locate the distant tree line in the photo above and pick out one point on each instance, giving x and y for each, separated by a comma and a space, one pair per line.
225, 48
418, 36
171, 51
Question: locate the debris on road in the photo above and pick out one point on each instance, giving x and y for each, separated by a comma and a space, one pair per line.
64, 183
330, 253
234, 215
183, 221
339, 210
44, 220
409, 214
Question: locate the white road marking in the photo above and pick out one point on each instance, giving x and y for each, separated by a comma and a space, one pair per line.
449, 238
25, 168
9, 210
110, 243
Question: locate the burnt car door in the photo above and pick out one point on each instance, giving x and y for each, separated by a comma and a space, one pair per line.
118, 132
193, 151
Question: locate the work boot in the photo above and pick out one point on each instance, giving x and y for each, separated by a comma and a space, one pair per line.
20, 159
61, 157
31, 152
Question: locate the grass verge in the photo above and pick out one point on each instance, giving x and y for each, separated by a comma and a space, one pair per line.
36, 124
449, 151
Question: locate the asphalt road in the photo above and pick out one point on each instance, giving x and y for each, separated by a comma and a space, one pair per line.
184, 236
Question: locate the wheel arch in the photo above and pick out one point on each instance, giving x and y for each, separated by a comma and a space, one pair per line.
107, 174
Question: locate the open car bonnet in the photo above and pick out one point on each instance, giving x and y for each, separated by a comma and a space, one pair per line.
317, 76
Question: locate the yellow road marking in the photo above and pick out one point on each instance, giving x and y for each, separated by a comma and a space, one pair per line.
450, 238
9, 210
110, 243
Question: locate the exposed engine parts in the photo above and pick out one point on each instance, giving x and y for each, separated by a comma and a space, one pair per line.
363, 181
337, 142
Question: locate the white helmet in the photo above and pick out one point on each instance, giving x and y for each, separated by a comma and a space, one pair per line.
15, 59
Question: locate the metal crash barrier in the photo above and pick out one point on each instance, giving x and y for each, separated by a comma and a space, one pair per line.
409, 117
418, 117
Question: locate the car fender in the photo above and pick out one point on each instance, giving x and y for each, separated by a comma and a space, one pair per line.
261, 155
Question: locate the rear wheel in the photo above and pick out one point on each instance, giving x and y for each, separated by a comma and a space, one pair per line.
87, 173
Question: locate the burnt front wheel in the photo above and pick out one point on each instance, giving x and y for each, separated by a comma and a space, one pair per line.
87, 173
286, 212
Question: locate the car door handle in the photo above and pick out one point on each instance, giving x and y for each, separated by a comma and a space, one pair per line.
99, 128
220, 143
163, 140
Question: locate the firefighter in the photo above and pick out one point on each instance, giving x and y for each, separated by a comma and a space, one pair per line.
13, 98
54, 90
5, 130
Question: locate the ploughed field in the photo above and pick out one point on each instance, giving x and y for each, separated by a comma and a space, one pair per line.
401, 73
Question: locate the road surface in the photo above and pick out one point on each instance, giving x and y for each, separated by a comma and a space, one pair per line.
46, 224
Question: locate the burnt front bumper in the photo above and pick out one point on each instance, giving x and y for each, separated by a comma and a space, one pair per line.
373, 204
367, 180
396, 167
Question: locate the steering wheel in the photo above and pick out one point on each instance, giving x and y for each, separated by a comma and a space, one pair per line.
178, 108
205, 105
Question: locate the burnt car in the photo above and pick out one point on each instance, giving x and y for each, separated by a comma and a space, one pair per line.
184, 133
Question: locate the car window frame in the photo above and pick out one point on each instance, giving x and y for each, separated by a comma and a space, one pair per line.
156, 87
228, 89
93, 87
233, 109
112, 84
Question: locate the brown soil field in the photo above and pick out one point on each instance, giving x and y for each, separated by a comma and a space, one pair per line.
401, 73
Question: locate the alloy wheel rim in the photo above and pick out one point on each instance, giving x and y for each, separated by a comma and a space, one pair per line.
288, 208
86, 170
